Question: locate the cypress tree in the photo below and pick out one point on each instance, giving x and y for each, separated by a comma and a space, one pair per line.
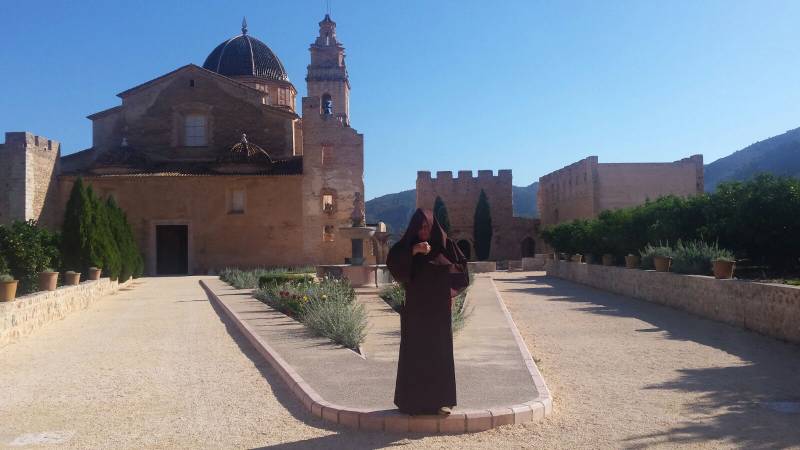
482, 228
76, 229
440, 212
131, 263
103, 249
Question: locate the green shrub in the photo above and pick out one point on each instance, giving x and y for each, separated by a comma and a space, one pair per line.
283, 277
696, 257
5, 278
27, 249
249, 279
394, 295
327, 308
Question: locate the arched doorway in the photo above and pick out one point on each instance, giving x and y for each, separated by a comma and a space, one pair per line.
528, 247
466, 248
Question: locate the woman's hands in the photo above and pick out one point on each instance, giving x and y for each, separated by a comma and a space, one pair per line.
422, 247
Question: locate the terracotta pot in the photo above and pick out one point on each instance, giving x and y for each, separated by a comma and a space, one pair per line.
632, 261
662, 263
48, 281
723, 270
577, 258
608, 260
94, 273
72, 279
8, 290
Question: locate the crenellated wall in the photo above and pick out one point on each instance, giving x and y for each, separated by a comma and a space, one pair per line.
460, 195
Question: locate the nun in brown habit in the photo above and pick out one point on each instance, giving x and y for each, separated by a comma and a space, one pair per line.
432, 270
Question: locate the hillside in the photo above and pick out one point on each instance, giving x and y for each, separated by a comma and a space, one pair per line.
395, 209
779, 155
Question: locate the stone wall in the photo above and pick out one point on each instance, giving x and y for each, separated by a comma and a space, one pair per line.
268, 233
770, 309
28, 313
460, 196
585, 188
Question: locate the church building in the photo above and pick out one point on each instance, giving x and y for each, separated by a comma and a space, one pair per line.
213, 164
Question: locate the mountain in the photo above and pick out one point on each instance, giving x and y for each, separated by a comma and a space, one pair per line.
396, 209
778, 155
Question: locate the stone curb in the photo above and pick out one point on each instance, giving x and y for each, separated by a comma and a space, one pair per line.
462, 421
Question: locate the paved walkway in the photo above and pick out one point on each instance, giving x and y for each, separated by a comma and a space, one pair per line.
490, 371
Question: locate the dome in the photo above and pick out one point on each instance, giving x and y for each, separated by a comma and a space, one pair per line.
244, 55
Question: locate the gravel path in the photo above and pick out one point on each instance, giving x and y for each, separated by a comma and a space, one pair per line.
155, 367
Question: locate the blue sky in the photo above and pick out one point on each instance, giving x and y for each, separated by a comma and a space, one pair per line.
445, 85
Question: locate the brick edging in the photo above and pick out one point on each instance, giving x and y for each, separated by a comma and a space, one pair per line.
465, 421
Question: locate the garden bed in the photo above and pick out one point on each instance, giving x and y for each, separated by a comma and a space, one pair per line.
327, 307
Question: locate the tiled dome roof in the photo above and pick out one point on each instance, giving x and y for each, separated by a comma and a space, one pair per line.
244, 55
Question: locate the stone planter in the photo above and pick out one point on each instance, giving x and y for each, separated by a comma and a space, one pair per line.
723, 270
662, 263
94, 273
632, 261
8, 290
577, 258
608, 260
48, 281
72, 278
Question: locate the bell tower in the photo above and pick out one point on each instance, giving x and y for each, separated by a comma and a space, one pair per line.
327, 74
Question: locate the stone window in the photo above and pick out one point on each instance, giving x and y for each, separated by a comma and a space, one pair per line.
283, 96
236, 201
328, 233
327, 203
327, 155
195, 127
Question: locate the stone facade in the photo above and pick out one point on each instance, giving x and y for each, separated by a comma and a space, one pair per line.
585, 188
460, 196
223, 156
770, 309
28, 313
28, 168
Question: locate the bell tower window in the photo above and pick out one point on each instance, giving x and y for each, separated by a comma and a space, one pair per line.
195, 130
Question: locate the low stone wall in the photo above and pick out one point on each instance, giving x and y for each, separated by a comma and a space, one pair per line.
25, 314
770, 309
535, 263
481, 266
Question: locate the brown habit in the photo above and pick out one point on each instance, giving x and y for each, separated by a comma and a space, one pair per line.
426, 378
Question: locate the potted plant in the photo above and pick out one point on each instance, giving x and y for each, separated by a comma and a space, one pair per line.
724, 267
577, 257
8, 288
662, 263
72, 278
608, 259
94, 273
48, 280
631, 261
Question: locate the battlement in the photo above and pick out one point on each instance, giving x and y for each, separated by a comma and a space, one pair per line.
503, 175
30, 141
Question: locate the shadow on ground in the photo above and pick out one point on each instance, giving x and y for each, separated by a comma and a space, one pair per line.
738, 402
342, 438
